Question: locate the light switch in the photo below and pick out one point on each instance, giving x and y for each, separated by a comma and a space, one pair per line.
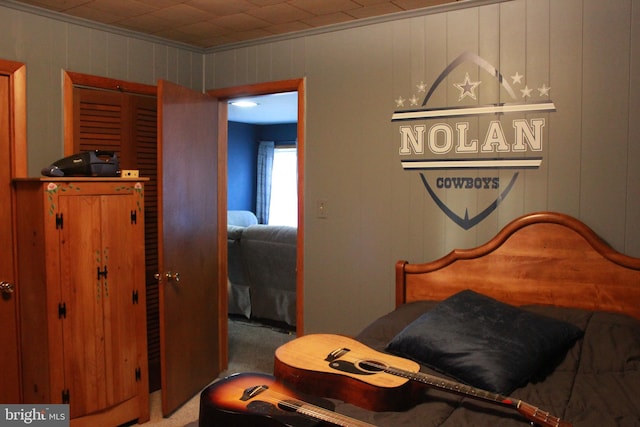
322, 211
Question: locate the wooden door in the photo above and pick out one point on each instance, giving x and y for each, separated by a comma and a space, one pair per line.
9, 353
189, 244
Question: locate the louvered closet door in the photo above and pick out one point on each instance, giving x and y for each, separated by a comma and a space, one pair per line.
145, 131
102, 121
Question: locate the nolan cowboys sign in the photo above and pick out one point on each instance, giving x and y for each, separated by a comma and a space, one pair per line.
435, 140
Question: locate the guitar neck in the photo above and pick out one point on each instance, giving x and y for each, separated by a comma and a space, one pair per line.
322, 414
450, 386
527, 410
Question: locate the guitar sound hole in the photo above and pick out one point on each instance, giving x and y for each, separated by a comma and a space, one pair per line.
371, 366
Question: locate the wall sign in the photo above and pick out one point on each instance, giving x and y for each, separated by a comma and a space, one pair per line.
467, 147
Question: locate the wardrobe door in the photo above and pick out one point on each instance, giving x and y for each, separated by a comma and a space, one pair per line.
82, 291
123, 295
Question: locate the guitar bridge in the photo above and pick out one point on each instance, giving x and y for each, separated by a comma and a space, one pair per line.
336, 354
252, 392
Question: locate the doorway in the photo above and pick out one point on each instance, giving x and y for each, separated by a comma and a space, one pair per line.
226, 94
262, 188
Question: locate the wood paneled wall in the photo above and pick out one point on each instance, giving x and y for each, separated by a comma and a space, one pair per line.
585, 50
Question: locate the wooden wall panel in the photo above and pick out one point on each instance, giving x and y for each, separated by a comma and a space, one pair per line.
564, 126
632, 217
537, 47
489, 49
375, 233
462, 36
605, 117
430, 232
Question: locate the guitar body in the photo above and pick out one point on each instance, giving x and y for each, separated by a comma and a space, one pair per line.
306, 363
227, 403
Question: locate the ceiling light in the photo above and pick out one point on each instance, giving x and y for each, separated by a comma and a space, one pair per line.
243, 103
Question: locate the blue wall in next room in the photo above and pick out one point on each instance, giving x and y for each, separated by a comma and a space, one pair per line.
241, 167
242, 159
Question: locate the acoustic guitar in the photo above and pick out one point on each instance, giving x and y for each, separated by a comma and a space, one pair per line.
343, 368
259, 400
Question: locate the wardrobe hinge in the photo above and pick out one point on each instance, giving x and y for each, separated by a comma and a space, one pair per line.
59, 221
138, 374
135, 297
62, 310
134, 216
65, 396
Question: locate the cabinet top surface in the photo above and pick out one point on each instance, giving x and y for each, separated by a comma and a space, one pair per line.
81, 179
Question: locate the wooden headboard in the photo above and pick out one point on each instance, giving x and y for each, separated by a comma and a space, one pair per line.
541, 258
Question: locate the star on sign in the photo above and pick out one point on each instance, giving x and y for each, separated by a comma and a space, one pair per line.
467, 88
413, 100
544, 90
517, 78
526, 92
422, 87
400, 102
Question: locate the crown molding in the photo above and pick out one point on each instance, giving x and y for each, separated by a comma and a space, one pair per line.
35, 10
458, 5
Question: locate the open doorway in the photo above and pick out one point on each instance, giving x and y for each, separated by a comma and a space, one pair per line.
224, 95
262, 209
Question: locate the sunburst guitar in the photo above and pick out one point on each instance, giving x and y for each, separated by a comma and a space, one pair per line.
343, 368
258, 400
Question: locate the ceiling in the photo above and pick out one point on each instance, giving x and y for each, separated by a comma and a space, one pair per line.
211, 23
277, 108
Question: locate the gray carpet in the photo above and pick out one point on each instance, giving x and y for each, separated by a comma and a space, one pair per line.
251, 349
252, 345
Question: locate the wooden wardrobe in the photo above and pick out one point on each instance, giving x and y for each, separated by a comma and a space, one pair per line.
83, 310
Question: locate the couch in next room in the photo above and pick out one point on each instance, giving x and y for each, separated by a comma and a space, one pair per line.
262, 268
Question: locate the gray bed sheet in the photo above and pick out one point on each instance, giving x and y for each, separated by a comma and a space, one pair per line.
596, 385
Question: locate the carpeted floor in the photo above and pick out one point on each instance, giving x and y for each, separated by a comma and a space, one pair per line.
251, 349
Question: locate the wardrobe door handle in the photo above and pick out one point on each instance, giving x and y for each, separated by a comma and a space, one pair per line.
6, 287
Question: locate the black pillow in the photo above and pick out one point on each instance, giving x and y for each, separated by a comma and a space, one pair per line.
485, 343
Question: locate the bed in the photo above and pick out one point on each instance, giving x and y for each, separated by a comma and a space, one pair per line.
261, 269
542, 267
